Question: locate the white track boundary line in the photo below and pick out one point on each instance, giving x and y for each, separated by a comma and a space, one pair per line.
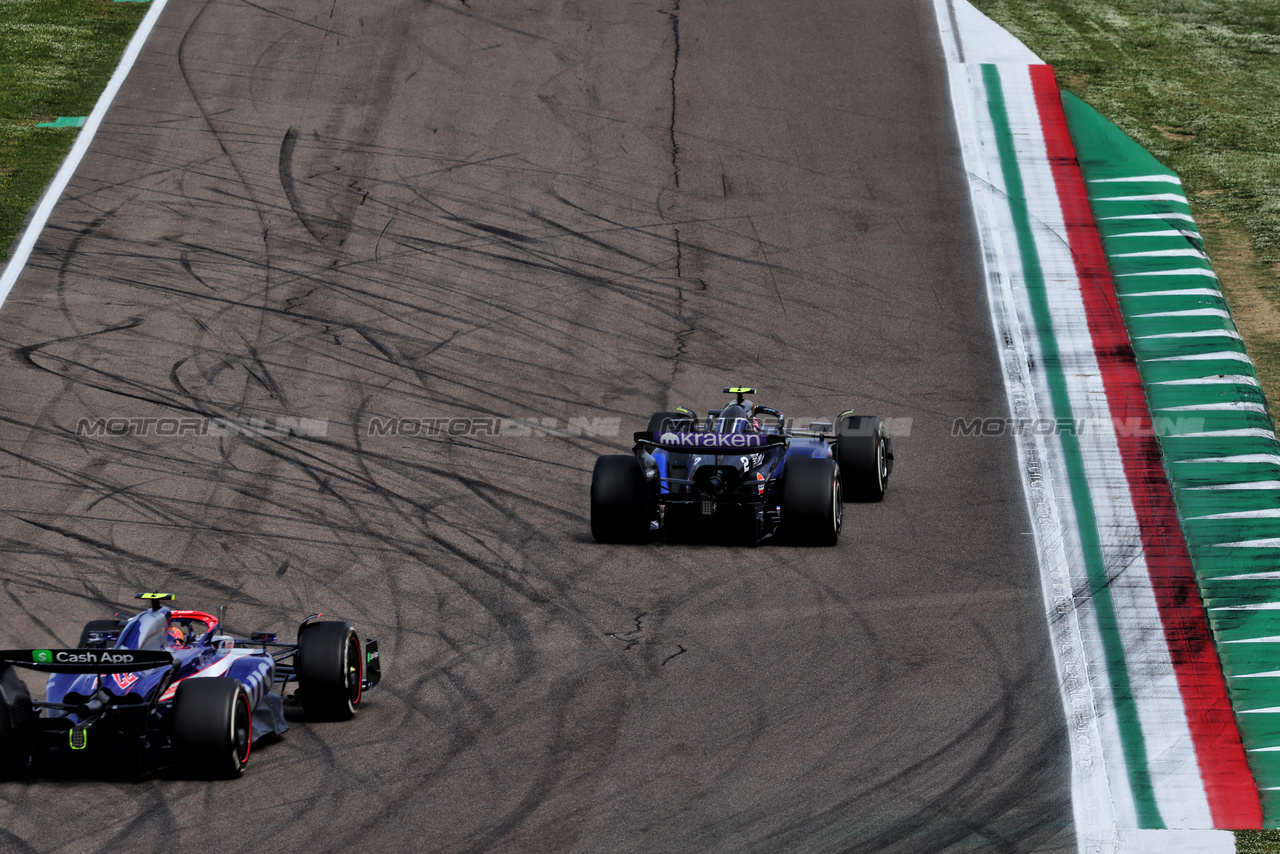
1092, 807
964, 32
53, 193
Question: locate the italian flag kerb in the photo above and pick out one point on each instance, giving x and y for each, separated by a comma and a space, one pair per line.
1230, 788
1180, 761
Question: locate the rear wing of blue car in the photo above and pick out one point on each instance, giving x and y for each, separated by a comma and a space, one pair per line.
710, 443
86, 660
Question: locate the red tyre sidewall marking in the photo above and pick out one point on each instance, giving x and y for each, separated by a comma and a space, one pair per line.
248, 711
360, 673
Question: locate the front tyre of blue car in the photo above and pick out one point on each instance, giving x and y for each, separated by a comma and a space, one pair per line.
330, 669
661, 422
212, 728
864, 454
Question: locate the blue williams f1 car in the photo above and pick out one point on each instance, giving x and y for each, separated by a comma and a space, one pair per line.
743, 473
167, 691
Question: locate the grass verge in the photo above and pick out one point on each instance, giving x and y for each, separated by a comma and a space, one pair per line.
1257, 842
56, 57
1193, 81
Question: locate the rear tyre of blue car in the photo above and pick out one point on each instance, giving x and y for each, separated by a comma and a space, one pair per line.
212, 727
330, 670
620, 504
812, 503
865, 456
8, 748
15, 703
12, 761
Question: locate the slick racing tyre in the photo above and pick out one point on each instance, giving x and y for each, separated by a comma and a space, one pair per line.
15, 706
212, 727
97, 627
620, 505
11, 763
812, 504
330, 670
865, 455
660, 422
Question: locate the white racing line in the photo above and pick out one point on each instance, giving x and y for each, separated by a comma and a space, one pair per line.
970, 39
84, 138
1091, 796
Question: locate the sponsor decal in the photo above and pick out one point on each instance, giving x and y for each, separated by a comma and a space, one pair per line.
712, 441
85, 660
89, 656
125, 680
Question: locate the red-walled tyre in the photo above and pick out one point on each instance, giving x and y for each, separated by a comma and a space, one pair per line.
865, 456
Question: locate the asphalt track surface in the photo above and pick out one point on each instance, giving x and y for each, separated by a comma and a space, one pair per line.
542, 210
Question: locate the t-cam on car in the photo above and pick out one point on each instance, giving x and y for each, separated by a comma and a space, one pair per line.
743, 472
166, 689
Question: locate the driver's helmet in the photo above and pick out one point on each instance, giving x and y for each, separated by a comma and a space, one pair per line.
177, 635
736, 418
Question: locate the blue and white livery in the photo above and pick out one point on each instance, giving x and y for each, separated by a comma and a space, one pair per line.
742, 473
167, 690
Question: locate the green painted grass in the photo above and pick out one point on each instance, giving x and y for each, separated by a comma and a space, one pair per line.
55, 59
